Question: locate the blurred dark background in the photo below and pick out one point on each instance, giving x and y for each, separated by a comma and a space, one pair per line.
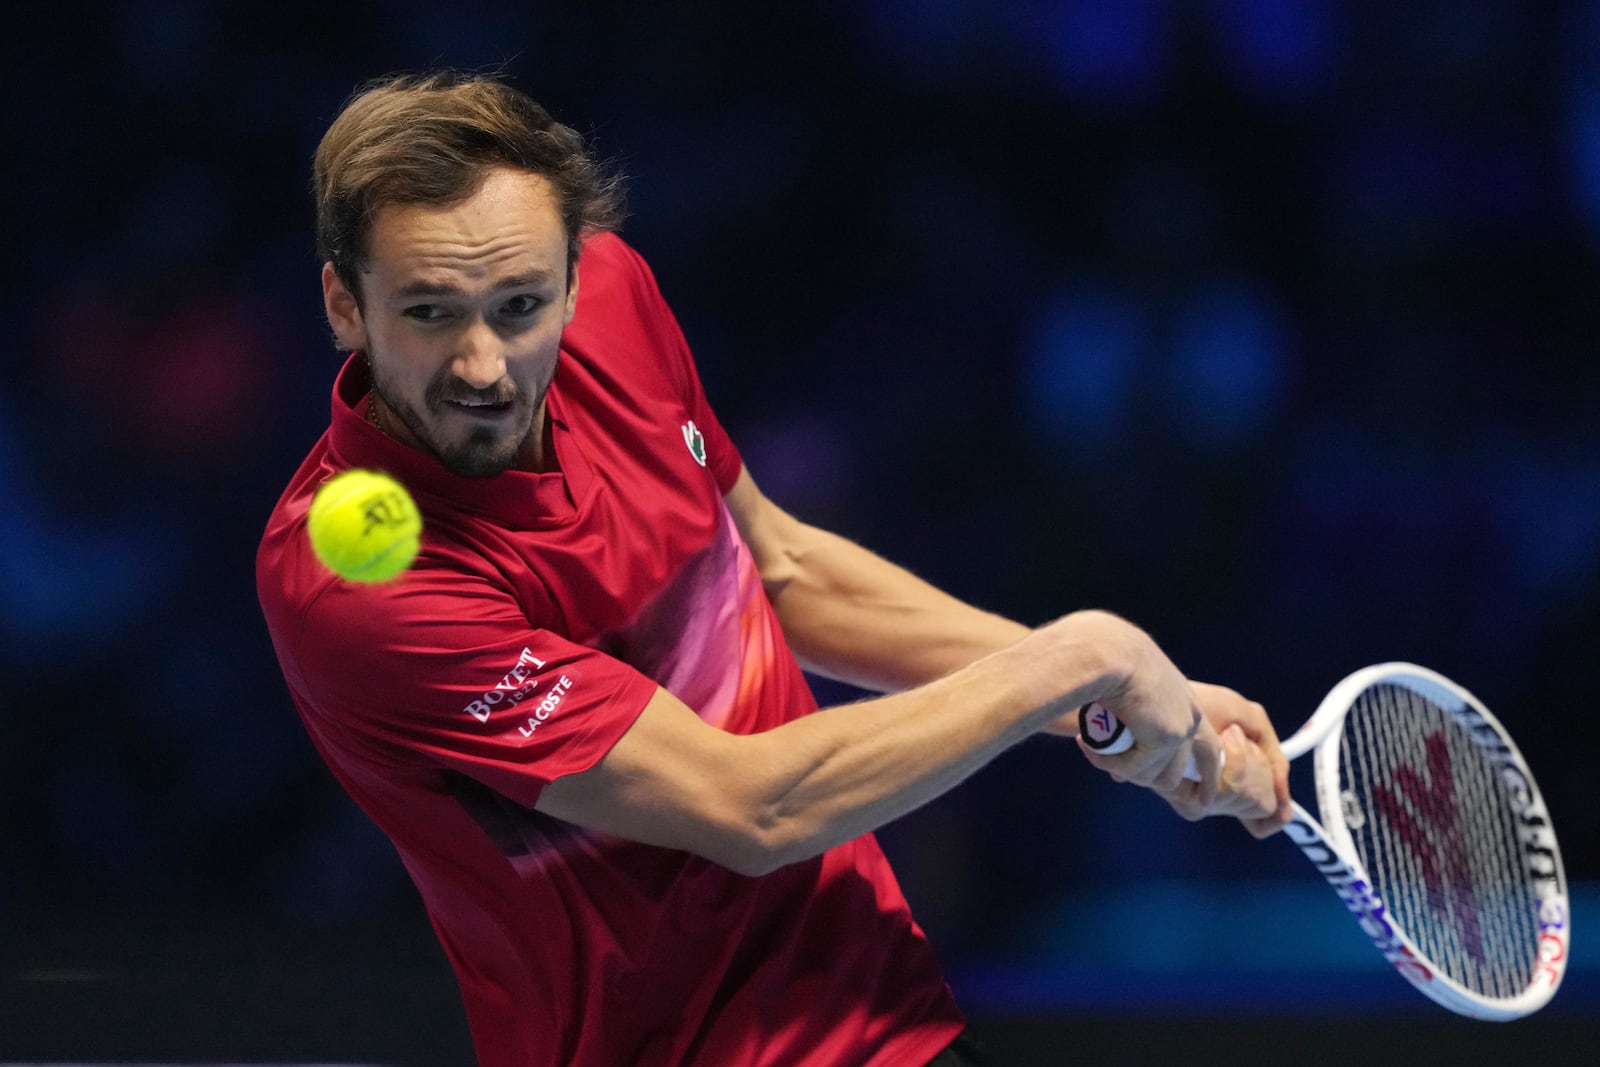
1269, 324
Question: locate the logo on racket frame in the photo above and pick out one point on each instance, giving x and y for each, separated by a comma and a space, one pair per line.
1359, 898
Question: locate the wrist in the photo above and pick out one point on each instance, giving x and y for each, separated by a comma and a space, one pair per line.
1081, 658
1116, 651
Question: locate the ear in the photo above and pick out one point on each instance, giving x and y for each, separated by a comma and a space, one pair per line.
344, 314
572, 296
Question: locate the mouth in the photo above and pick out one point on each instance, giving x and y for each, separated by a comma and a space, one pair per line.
481, 409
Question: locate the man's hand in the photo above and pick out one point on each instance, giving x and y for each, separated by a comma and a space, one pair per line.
1163, 716
1255, 777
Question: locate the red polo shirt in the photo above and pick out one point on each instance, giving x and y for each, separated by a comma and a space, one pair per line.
539, 618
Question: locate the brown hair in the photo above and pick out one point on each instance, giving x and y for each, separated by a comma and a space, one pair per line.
431, 138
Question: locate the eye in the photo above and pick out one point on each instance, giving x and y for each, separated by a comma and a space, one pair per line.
522, 304
424, 312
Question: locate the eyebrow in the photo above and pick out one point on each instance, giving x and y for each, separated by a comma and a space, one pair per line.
423, 287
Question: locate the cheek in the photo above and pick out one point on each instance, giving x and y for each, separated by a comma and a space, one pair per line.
533, 364
399, 361
542, 343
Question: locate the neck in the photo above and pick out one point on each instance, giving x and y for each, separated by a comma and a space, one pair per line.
536, 454
379, 415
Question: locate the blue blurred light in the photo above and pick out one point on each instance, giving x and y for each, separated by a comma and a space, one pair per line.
1102, 53
1260, 947
804, 461
1547, 506
1080, 365
64, 583
1281, 48
1228, 366
1584, 148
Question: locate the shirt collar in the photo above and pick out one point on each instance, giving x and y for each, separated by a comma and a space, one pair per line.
520, 499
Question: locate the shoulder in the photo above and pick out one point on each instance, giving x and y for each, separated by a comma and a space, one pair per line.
615, 281
413, 650
623, 327
609, 256
323, 626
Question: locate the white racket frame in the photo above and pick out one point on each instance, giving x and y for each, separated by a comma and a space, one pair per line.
1332, 851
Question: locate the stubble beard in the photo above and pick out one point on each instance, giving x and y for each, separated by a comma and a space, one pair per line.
484, 453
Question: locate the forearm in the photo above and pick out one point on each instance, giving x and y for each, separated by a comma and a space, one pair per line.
844, 771
756, 802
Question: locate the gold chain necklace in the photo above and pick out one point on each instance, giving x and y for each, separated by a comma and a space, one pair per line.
373, 417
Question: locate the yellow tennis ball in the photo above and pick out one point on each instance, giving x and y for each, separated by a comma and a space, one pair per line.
364, 526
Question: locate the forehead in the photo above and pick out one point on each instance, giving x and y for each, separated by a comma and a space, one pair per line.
512, 219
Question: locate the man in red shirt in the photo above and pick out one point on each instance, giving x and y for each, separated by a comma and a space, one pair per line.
581, 715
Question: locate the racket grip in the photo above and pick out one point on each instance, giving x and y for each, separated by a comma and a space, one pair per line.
1104, 732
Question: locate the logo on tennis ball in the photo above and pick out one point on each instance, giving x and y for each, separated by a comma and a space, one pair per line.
364, 526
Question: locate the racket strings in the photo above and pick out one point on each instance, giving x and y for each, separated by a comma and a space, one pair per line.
1435, 829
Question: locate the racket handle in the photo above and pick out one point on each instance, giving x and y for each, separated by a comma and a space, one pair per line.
1104, 732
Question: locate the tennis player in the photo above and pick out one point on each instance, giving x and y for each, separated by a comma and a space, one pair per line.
581, 715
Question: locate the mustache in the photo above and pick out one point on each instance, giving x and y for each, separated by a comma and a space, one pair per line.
454, 391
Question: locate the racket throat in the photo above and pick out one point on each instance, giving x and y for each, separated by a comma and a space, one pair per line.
1357, 895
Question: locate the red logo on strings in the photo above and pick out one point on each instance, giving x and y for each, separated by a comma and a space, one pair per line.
1431, 828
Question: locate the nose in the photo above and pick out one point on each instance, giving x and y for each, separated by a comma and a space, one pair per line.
480, 356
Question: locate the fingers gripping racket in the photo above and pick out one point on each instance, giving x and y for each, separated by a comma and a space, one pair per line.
1433, 834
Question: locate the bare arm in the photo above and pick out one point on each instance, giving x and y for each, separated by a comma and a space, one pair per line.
974, 684
852, 615
757, 802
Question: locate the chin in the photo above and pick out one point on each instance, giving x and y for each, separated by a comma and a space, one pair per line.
475, 466
469, 451
477, 461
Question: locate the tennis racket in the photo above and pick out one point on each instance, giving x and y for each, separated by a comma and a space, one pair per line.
1433, 834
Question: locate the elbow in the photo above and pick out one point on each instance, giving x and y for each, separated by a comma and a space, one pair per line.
752, 863
762, 845
758, 818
